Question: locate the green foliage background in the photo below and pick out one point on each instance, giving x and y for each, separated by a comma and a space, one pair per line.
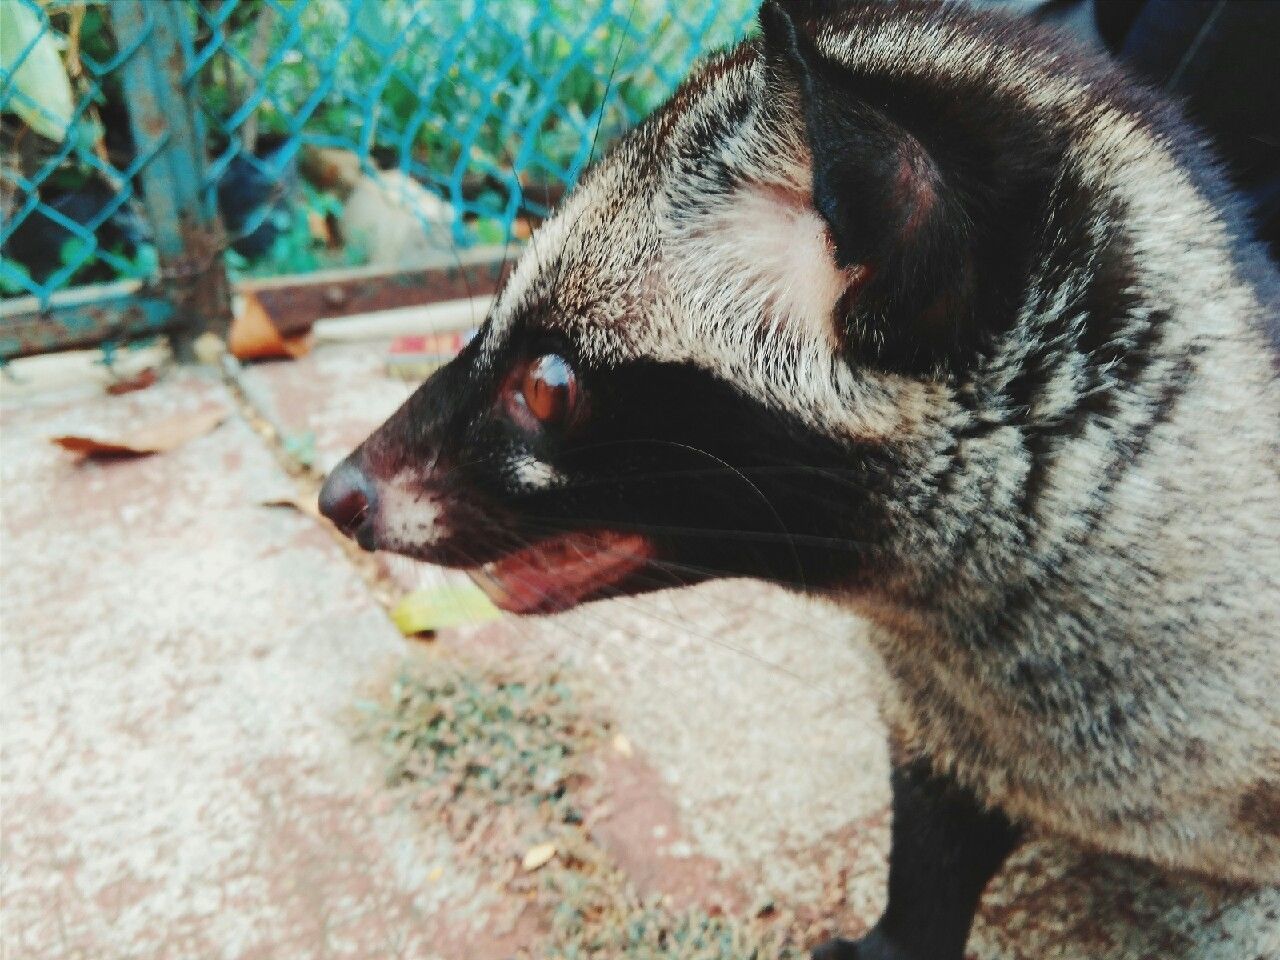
494, 104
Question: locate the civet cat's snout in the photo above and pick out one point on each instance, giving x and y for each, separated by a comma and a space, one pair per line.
349, 501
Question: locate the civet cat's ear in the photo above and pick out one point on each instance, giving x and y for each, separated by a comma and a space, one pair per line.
883, 195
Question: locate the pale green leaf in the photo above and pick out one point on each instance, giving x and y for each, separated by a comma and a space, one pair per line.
44, 99
436, 608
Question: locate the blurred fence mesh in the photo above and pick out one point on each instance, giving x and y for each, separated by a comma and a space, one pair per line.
326, 125
67, 197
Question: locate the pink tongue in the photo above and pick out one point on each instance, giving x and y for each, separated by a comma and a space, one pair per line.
558, 574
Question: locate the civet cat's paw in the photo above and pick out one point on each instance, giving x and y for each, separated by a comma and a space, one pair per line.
837, 949
870, 947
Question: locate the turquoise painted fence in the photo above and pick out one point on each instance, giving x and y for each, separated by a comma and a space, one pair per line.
165, 147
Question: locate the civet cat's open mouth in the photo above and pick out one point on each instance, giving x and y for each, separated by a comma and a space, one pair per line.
562, 572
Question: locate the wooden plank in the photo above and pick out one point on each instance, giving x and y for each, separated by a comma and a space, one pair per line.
85, 316
295, 303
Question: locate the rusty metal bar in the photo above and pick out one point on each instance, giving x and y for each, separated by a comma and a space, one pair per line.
295, 303
188, 234
86, 316
82, 317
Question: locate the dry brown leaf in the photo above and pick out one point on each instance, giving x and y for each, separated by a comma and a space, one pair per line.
537, 857
158, 436
146, 377
305, 505
254, 337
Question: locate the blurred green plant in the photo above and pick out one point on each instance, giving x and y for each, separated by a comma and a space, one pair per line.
16, 283
297, 248
464, 735
469, 84
482, 100
138, 264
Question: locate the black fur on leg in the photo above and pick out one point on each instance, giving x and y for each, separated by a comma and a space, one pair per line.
871, 947
836, 950
944, 848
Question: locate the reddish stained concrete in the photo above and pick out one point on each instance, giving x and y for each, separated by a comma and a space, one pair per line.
640, 827
180, 780
306, 397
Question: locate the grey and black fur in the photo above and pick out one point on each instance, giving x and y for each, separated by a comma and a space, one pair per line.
923, 313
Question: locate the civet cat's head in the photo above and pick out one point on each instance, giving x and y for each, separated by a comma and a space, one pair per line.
780, 331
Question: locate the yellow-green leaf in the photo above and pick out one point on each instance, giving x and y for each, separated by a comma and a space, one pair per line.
44, 100
435, 608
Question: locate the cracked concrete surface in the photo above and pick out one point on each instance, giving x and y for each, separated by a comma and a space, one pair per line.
179, 777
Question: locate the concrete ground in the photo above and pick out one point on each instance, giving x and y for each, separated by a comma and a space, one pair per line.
181, 779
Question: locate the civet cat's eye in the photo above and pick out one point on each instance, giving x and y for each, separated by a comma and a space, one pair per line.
548, 390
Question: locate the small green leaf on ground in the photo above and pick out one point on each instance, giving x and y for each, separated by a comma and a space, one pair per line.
436, 608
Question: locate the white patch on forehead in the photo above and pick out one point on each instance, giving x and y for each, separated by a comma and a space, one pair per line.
751, 290
771, 249
407, 516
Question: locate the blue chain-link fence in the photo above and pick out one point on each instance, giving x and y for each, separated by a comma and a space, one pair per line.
177, 144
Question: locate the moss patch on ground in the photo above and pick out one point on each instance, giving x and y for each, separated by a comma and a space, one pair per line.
504, 755
463, 735
597, 915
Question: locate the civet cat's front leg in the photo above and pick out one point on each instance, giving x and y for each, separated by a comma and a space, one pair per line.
944, 848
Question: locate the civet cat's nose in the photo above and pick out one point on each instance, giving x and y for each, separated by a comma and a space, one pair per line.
348, 500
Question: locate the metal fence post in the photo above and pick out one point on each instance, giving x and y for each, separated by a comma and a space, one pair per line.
188, 233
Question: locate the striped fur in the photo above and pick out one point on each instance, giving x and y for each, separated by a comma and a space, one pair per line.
1064, 498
